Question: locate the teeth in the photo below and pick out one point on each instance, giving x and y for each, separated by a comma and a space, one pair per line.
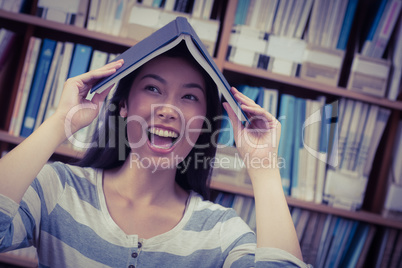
163, 133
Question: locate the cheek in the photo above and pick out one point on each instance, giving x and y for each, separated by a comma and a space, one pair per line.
194, 128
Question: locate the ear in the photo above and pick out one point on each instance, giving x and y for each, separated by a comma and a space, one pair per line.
123, 108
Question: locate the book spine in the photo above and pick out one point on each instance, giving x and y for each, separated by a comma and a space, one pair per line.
347, 24
38, 85
80, 61
25, 76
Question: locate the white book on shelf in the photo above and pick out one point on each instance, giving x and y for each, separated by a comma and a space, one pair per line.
27, 85
365, 143
305, 14
81, 15
64, 68
169, 5
330, 23
270, 101
381, 122
286, 18
51, 78
93, 14
271, 12
255, 14
311, 142
352, 133
344, 128
102, 15
121, 5
280, 12
385, 28
355, 141
324, 23
294, 18
336, 29
197, 8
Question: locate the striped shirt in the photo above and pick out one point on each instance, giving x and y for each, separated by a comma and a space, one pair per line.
64, 215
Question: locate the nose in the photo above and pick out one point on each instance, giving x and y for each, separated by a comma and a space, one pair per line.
167, 112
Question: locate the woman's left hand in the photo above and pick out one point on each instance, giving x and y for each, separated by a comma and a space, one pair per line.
258, 141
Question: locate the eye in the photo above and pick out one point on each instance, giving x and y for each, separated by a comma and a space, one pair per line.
152, 89
190, 97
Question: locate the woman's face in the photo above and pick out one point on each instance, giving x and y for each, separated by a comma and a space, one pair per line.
165, 109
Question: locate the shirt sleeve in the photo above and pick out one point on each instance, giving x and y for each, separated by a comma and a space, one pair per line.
242, 248
20, 223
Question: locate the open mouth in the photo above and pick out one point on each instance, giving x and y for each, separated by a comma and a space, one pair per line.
161, 138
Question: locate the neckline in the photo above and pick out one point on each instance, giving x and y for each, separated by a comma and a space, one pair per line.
188, 210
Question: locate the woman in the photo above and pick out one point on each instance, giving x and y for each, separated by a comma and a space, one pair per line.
137, 200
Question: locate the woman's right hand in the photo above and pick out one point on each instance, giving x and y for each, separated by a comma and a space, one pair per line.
74, 109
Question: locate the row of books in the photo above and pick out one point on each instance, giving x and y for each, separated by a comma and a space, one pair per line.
317, 139
265, 31
48, 64
327, 240
316, 33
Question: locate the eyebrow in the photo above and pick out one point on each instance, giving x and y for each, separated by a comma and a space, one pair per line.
163, 81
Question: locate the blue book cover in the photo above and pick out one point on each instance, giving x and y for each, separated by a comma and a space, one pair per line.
285, 149
300, 116
163, 40
347, 24
80, 61
38, 86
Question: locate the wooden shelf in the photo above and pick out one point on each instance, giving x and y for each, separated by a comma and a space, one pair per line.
63, 150
354, 215
82, 32
295, 81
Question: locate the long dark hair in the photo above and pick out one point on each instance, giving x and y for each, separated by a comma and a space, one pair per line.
107, 155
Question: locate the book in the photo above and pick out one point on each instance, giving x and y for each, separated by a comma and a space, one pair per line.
300, 114
347, 24
286, 118
7, 40
24, 85
389, 247
163, 40
80, 60
387, 24
51, 77
367, 46
38, 85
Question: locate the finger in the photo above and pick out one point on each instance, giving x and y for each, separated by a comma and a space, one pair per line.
258, 111
240, 97
236, 123
105, 71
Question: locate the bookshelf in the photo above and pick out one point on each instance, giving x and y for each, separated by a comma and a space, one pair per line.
28, 25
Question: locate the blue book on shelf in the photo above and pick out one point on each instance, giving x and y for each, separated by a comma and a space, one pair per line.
241, 12
347, 24
164, 39
38, 85
80, 61
285, 149
355, 248
300, 116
